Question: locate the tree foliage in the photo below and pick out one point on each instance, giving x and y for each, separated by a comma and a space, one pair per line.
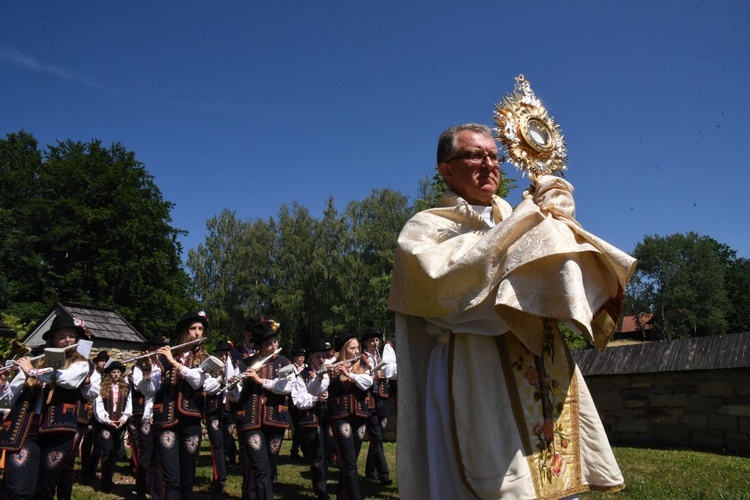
317, 277
692, 284
86, 223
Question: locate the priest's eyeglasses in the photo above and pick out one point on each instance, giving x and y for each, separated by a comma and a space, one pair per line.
477, 156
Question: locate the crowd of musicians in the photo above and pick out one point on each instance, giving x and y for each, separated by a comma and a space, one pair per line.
335, 395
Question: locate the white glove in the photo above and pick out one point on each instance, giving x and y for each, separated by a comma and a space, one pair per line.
553, 195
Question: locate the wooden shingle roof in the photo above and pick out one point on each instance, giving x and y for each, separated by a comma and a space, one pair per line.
101, 322
715, 352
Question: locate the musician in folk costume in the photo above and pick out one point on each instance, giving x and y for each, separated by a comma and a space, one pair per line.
239, 352
349, 405
39, 433
219, 417
178, 405
244, 349
91, 453
263, 395
310, 397
113, 408
148, 479
298, 441
88, 393
376, 466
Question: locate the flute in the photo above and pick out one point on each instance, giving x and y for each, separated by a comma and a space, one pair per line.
32, 359
172, 348
255, 367
333, 366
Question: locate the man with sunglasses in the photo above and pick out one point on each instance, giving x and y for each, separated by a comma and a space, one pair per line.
491, 404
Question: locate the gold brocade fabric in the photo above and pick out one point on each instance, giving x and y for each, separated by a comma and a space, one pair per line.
530, 266
544, 394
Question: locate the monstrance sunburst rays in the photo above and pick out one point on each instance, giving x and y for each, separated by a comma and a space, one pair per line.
531, 138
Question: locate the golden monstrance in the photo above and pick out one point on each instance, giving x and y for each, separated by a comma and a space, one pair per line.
531, 138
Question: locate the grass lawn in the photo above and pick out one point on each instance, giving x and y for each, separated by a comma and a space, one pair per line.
649, 474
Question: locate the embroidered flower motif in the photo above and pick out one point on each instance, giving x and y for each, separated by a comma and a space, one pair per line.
254, 441
275, 445
54, 458
532, 376
167, 439
384, 423
346, 430
361, 432
146, 428
192, 443
20, 457
556, 464
105, 434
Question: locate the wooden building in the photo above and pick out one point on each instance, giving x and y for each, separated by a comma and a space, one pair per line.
686, 393
110, 331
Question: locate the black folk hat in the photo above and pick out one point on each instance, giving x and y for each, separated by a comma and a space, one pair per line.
371, 333
101, 356
157, 340
249, 324
297, 351
190, 318
342, 339
223, 346
114, 365
320, 346
66, 321
262, 331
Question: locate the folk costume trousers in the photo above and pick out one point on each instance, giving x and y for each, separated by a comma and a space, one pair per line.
316, 455
35, 469
349, 434
376, 422
179, 448
260, 452
148, 471
110, 441
67, 478
216, 433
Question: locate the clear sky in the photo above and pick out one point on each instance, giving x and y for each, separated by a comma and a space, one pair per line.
246, 105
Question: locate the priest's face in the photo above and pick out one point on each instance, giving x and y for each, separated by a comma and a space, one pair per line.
472, 170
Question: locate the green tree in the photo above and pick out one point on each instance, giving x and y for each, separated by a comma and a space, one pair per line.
326, 279
91, 227
738, 293
231, 272
373, 225
681, 279
293, 257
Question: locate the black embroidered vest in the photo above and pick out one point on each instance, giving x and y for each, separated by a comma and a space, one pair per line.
175, 397
260, 407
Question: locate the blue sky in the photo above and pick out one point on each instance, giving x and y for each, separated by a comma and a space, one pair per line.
248, 105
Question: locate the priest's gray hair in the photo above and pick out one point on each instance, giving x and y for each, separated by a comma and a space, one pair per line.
447, 141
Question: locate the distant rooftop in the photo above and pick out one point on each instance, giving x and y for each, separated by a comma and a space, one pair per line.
101, 322
714, 352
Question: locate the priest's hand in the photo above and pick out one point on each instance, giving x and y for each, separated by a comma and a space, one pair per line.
553, 195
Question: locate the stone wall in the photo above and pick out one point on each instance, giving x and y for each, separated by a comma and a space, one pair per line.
703, 410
